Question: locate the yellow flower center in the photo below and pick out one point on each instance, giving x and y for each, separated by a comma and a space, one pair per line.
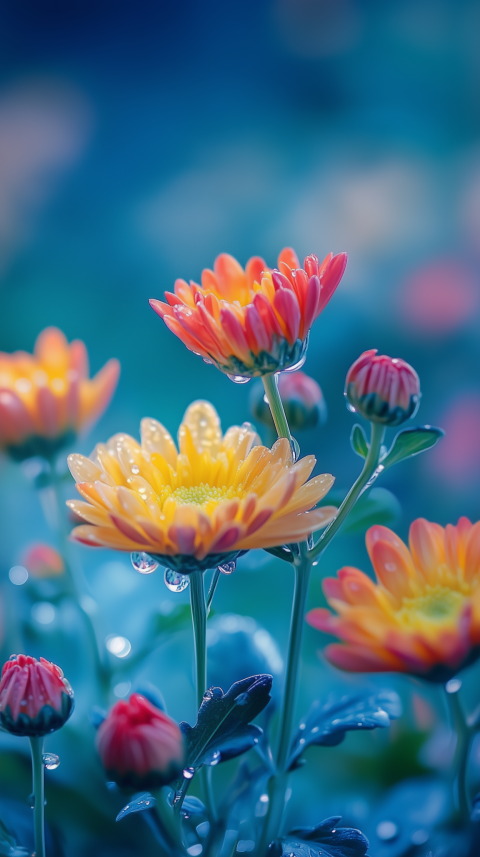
205, 494
438, 605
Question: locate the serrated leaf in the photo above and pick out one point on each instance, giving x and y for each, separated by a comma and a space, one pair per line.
378, 506
138, 803
326, 725
359, 441
224, 721
334, 841
410, 442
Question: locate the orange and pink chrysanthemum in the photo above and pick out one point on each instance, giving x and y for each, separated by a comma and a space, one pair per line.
423, 614
255, 321
47, 398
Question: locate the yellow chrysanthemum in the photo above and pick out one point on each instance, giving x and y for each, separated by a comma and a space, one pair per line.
201, 506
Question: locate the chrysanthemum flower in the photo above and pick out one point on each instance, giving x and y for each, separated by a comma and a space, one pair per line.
139, 745
255, 321
35, 698
423, 614
47, 398
199, 507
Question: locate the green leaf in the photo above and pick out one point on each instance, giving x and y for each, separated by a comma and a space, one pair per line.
223, 728
334, 841
326, 725
378, 506
411, 442
359, 441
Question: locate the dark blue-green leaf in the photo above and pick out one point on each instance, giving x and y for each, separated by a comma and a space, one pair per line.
411, 442
326, 725
334, 841
359, 441
223, 722
138, 803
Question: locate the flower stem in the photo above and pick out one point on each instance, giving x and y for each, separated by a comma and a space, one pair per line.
270, 382
278, 783
464, 736
367, 477
213, 586
36, 745
199, 619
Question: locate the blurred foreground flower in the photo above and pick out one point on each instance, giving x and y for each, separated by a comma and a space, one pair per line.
423, 615
35, 698
383, 389
139, 745
43, 561
302, 400
253, 322
47, 398
201, 507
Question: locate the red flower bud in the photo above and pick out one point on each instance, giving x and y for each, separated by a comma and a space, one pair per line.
302, 399
35, 698
383, 389
139, 745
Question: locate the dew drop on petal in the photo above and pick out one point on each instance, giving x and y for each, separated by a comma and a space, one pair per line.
238, 379
188, 773
174, 581
228, 567
298, 365
51, 761
143, 562
215, 758
208, 694
207, 361
295, 449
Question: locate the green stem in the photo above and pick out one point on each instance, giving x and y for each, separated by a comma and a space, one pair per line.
270, 382
368, 475
278, 783
213, 586
36, 744
464, 737
199, 619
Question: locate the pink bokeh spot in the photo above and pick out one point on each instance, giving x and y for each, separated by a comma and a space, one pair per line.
439, 297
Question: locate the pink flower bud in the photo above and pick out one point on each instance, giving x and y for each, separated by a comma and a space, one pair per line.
35, 698
383, 389
41, 560
139, 745
302, 399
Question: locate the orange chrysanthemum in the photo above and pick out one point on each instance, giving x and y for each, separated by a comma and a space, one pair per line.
255, 321
201, 506
423, 615
47, 398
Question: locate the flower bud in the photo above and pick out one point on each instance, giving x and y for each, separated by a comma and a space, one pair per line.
383, 389
302, 399
41, 560
35, 698
139, 745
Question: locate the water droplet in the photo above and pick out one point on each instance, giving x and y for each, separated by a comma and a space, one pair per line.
207, 361
215, 758
387, 830
228, 567
351, 408
208, 694
297, 365
188, 773
453, 686
238, 379
295, 449
51, 761
143, 562
174, 581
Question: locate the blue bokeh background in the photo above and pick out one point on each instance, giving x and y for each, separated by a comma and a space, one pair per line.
138, 141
